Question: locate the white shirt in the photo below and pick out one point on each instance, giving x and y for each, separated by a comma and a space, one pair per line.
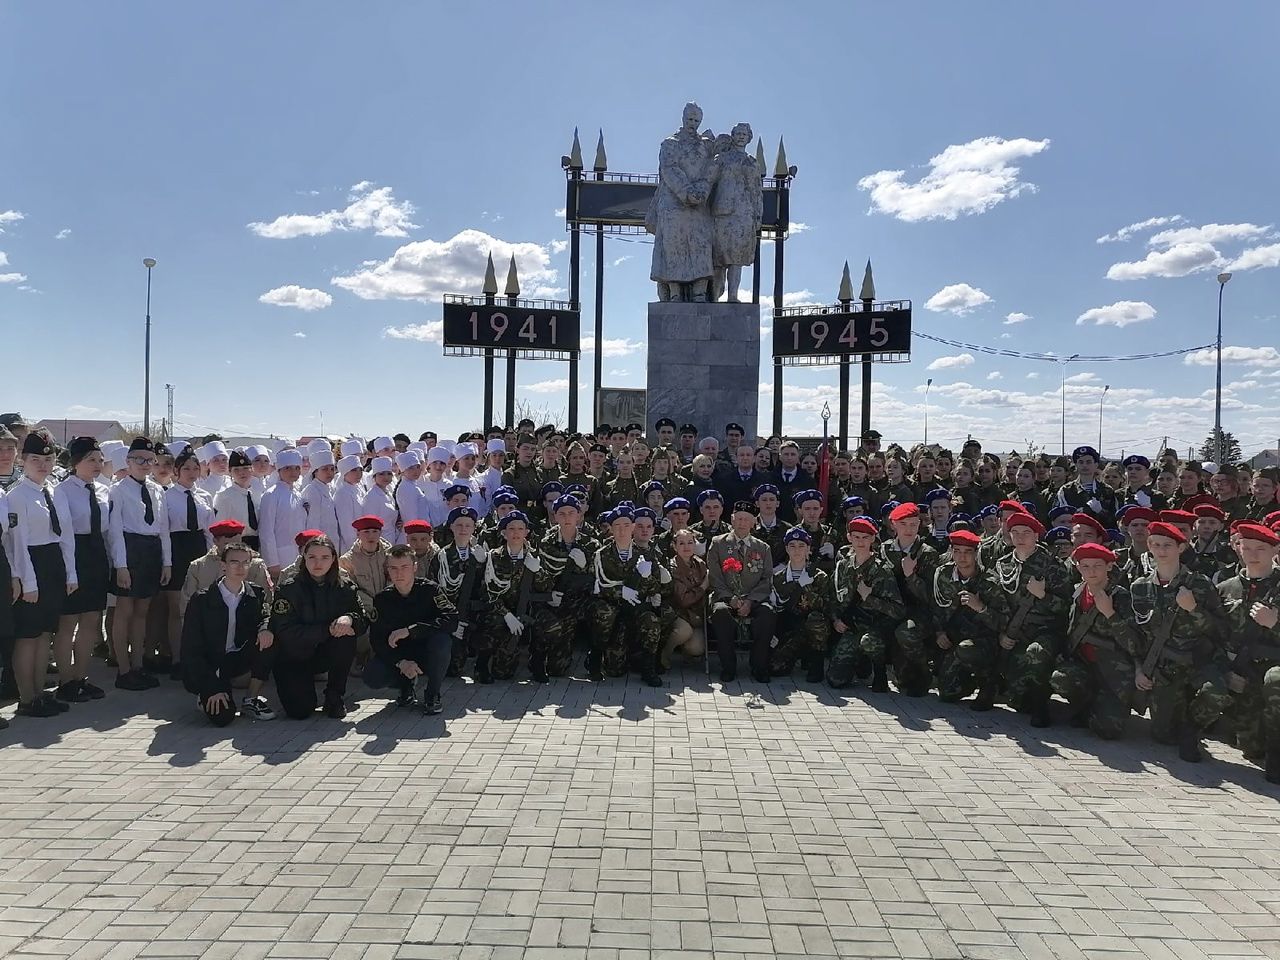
232, 503
380, 503
128, 515
232, 600
260, 486
317, 500
71, 498
11, 540
412, 502
281, 517
348, 501
215, 483
437, 511
175, 501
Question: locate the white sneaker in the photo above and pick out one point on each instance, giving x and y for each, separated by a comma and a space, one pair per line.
258, 708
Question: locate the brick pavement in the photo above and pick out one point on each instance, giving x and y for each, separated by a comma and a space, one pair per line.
619, 822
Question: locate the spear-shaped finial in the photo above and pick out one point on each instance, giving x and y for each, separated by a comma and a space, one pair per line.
780, 167
760, 164
846, 286
513, 280
868, 291
602, 162
490, 278
575, 153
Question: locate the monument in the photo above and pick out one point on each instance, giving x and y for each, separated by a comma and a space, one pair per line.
704, 355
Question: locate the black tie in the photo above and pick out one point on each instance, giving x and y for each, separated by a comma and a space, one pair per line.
54, 524
95, 511
148, 511
253, 514
193, 524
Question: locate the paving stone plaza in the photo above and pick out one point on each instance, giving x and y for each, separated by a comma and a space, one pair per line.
615, 821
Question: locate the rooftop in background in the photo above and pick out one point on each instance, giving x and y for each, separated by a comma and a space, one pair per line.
64, 431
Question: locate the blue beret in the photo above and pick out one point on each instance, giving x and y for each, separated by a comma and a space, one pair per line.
576, 488
505, 497
1030, 507
763, 489
505, 488
804, 496
1079, 452
797, 533
676, 503
457, 513
511, 517
454, 489
566, 500
1115, 536
1057, 512
554, 486
990, 510
889, 507
626, 503
853, 503
1136, 458
706, 495
961, 518
1057, 534
640, 513
937, 493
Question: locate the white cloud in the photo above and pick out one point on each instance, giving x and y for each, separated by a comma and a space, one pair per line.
1119, 314
10, 216
559, 212
949, 363
13, 278
620, 347
1124, 233
1033, 375
300, 335
797, 227
427, 269
1257, 258
62, 234
957, 298
1209, 233
1015, 317
621, 260
432, 332
546, 386
292, 295
619, 373
965, 178
995, 375
368, 208
1081, 378
4, 259
559, 246
1180, 260
1264, 357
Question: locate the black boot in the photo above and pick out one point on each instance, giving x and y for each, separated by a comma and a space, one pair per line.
1189, 742
986, 698
880, 679
538, 668
1038, 706
595, 670
815, 668
862, 666
1273, 764
482, 669
652, 677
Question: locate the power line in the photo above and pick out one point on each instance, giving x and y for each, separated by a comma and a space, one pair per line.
1054, 358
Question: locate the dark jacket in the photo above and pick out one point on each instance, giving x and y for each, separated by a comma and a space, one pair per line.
423, 611
303, 611
730, 483
787, 489
204, 636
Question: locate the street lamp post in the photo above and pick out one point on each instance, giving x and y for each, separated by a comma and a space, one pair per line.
1101, 400
147, 262
927, 384
1217, 393
1064, 363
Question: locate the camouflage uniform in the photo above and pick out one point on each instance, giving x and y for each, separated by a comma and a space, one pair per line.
706, 534
871, 621
526, 483
825, 548
572, 574
448, 571
613, 617
1131, 563
1036, 625
1188, 673
803, 630
971, 660
1254, 652
773, 537
992, 550
1095, 674
622, 488
503, 579
1215, 559
914, 647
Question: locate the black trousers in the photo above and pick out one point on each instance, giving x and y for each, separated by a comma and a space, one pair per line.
295, 679
431, 653
248, 659
724, 628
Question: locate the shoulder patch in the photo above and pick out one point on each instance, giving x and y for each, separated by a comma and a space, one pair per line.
13, 520
281, 605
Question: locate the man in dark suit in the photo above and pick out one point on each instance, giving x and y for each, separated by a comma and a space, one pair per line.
790, 480
738, 480
740, 567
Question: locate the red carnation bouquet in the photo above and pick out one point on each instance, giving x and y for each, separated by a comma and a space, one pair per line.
732, 569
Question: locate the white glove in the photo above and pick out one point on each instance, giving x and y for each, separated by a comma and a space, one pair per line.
664, 575
1095, 505
578, 557
827, 550
513, 623
655, 601
480, 553
804, 579
532, 563
461, 631
699, 549
1142, 498
630, 595
556, 598
644, 566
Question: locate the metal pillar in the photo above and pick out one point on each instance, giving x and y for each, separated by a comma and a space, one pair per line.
778, 276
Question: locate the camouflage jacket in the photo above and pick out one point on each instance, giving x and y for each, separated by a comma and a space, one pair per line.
706, 534
957, 620
882, 609
1216, 559
1247, 638
916, 590
1117, 634
1194, 636
526, 482
504, 575
823, 537
447, 570
992, 550
773, 537
613, 573
1029, 615
622, 488
794, 598
571, 574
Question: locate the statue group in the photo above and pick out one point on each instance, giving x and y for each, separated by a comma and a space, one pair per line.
705, 215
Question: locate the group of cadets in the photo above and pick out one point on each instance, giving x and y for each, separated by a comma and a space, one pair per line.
1121, 587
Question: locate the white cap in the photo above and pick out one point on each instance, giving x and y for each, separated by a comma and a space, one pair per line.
382, 465
277, 444
348, 463
352, 447
176, 448
257, 450
383, 443
321, 458
1209, 468
418, 445
407, 460
119, 458
437, 455
288, 458
214, 448
449, 445
465, 450
318, 443
496, 445
107, 445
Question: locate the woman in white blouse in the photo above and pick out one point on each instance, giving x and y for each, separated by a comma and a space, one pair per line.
190, 512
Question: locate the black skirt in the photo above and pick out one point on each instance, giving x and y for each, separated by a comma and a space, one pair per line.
6, 606
93, 573
144, 561
188, 546
33, 619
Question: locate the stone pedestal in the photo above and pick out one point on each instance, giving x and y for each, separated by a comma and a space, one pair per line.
704, 366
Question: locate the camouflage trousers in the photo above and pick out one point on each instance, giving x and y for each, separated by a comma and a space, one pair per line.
1100, 689
1255, 712
503, 647
855, 653
800, 636
1186, 691
611, 625
913, 656
968, 665
1027, 666
555, 641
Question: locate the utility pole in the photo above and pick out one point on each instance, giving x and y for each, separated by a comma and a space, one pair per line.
169, 390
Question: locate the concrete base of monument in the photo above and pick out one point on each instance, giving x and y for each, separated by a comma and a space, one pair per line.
704, 366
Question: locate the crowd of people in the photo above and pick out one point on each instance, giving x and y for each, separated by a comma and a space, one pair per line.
1137, 586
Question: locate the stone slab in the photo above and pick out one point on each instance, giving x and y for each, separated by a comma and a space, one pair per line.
704, 365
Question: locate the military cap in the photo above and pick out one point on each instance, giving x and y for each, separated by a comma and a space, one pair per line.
566, 500
511, 518
550, 487
643, 513
852, 503
1182, 518
963, 538
598, 448
937, 493
734, 426
367, 522
1090, 521
1256, 531
1093, 551
639, 428
676, 503
306, 536
142, 443
991, 510
904, 511
455, 489
862, 525
688, 430
745, 506
1210, 510
890, 506
238, 459
1133, 511
1021, 519
797, 533
650, 487
1167, 530
1136, 458
226, 529
81, 447
526, 438
1057, 535
804, 496
665, 422
764, 488
706, 495
1086, 451
503, 497
36, 445
1057, 512
417, 526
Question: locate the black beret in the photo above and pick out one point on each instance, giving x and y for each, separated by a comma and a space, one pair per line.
688, 430
238, 459
664, 422
142, 443
36, 445
81, 447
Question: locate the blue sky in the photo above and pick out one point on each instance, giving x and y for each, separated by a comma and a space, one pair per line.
383, 136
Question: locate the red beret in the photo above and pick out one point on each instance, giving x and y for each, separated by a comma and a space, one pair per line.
1138, 513
226, 528
1256, 531
1179, 517
1272, 518
1162, 528
1210, 510
306, 536
863, 525
1090, 521
417, 526
904, 511
1196, 499
1013, 505
964, 538
1092, 551
367, 522
1024, 519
